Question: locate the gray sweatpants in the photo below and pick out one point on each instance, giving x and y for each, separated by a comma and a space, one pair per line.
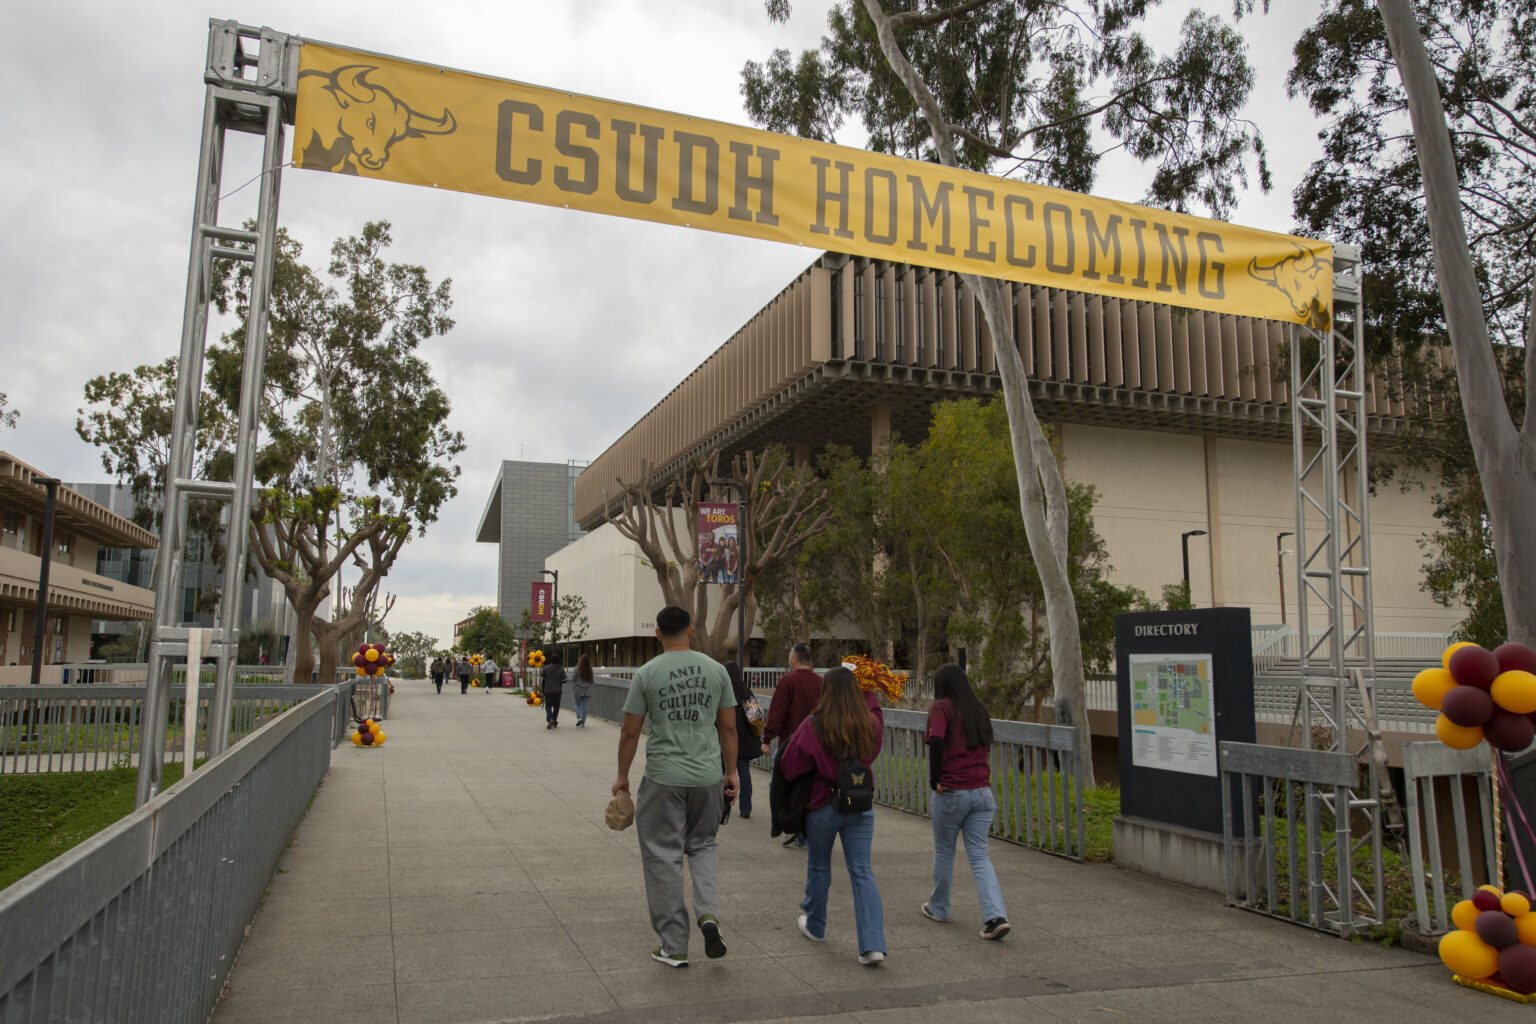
673, 822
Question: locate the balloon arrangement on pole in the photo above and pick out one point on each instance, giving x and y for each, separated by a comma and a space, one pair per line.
476, 660
372, 660
368, 734
535, 660
1489, 695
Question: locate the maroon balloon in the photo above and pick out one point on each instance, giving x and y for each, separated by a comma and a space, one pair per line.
1496, 928
367, 738
1467, 706
1513, 657
1482, 899
1508, 731
1517, 966
1474, 666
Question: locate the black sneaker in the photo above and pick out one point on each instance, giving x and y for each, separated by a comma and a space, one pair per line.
995, 928
714, 946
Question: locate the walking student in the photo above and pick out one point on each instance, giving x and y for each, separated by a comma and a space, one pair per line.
796, 693
492, 673
581, 689
690, 771
845, 726
437, 670
462, 670
959, 757
552, 682
746, 740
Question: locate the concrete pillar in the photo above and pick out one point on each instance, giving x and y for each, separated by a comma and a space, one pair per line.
1213, 524
879, 428
802, 455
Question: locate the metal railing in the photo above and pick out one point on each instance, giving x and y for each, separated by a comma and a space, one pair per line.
1296, 854
1037, 773
46, 729
1425, 764
142, 921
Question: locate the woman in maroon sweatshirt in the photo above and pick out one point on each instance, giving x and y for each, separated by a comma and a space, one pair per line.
845, 723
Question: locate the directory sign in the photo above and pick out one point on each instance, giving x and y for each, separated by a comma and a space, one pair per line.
1173, 713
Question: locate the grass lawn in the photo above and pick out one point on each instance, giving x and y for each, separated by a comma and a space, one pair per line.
41, 816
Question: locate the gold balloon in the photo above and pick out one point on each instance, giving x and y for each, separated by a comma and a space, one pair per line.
1431, 686
1514, 691
1525, 925
373, 727
1457, 737
357, 738
1515, 904
1445, 659
1467, 955
1464, 914
378, 738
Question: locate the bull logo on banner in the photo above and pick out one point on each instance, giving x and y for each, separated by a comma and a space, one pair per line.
1299, 277
362, 120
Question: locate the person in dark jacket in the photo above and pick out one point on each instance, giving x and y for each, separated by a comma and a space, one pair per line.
462, 670
746, 740
796, 692
845, 724
553, 684
438, 670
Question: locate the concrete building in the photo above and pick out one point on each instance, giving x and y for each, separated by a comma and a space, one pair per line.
77, 592
1175, 416
528, 516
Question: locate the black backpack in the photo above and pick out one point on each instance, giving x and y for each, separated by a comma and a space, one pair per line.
853, 791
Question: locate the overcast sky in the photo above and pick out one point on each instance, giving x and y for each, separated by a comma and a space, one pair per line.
570, 326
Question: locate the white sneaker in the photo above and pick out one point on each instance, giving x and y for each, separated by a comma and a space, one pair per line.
805, 929
873, 958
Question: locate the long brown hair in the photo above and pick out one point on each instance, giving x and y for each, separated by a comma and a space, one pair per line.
584, 669
843, 722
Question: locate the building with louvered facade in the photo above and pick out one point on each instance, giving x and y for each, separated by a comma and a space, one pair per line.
1176, 416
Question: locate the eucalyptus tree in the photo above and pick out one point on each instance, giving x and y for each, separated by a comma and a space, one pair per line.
1041, 90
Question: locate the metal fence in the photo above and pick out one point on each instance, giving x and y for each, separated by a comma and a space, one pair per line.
1037, 773
142, 921
1429, 769
71, 728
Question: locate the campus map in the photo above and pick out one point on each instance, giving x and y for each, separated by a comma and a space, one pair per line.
1173, 713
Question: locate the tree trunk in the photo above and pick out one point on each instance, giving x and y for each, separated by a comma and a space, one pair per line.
1042, 494
1505, 457
303, 620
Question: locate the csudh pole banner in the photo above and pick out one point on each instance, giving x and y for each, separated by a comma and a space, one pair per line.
382, 117
541, 602
719, 542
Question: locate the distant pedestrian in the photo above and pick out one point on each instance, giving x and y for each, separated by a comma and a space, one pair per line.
492, 672
959, 756
796, 693
437, 669
553, 684
463, 670
581, 689
690, 771
845, 724
746, 740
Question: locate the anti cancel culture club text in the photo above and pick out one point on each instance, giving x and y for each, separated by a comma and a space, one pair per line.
685, 692
1075, 242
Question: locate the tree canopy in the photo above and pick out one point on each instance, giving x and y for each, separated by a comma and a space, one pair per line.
488, 633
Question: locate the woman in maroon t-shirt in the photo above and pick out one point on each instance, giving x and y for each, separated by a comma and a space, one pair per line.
959, 751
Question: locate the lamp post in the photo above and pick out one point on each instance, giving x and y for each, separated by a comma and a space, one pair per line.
1280, 569
1184, 542
741, 568
554, 606
40, 630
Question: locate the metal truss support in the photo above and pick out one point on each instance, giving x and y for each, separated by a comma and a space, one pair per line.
1335, 614
251, 78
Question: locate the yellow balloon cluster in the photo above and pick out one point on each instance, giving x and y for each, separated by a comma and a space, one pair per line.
368, 734
535, 659
372, 659
1495, 940
535, 698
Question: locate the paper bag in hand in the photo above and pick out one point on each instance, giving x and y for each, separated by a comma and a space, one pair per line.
621, 811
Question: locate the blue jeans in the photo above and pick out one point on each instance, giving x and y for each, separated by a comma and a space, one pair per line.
823, 825
744, 790
967, 812
581, 708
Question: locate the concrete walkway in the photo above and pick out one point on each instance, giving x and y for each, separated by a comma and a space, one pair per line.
463, 873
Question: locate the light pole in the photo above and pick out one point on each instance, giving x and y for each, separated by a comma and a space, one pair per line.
1184, 542
40, 630
741, 568
554, 606
1280, 569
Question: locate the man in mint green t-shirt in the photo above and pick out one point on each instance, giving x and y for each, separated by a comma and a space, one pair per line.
690, 769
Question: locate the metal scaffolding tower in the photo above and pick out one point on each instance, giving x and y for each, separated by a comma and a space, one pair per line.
251, 77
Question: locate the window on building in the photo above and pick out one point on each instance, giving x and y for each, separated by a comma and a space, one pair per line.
63, 541
10, 522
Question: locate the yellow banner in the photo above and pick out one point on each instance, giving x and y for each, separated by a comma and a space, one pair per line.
422, 125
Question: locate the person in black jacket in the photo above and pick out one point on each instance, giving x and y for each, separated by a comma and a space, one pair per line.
553, 681
746, 740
